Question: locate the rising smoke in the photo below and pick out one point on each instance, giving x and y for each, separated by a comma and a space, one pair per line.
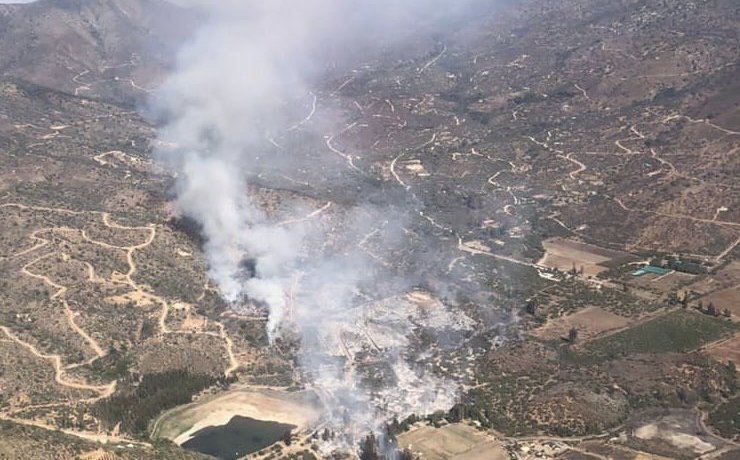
237, 83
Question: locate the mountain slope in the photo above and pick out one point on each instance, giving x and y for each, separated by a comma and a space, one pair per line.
107, 49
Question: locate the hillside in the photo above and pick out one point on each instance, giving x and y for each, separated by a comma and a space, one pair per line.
549, 217
116, 49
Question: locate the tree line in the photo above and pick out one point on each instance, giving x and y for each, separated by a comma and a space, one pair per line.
136, 406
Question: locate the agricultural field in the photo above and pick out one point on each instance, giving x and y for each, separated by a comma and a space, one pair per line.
728, 298
675, 332
726, 350
574, 294
452, 442
590, 322
726, 276
656, 360
565, 255
671, 282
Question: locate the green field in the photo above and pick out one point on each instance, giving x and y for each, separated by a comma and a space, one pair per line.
679, 331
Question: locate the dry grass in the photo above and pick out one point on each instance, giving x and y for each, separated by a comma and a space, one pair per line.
726, 298
670, 282
590, 322
565, 254
725, 277
452, 442
726, 350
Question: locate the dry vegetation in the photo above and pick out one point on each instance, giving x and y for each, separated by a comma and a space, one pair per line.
453, 442
554, 135
90, 280
589, 322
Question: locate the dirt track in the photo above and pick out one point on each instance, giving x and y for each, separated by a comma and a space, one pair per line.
57, 361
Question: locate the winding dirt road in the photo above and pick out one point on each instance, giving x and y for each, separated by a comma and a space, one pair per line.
59, 294
675, 216
59, 373
581, 166
347, 157
57, 361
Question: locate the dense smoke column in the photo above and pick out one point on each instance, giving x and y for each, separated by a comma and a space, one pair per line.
233, 86
227, 91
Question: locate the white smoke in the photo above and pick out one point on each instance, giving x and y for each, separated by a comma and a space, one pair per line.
234, 83
226, 91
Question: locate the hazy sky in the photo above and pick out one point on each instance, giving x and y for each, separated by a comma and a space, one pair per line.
181, 2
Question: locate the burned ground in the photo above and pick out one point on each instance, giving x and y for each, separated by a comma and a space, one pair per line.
610, 129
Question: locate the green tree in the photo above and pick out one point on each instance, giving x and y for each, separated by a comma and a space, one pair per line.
572, 335
406, 455
369, 448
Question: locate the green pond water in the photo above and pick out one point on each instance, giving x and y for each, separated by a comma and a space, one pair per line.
239, 437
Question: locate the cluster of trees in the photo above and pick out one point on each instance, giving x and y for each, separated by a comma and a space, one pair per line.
710, 309
726, 418
458, 413
113, 366
325, 435
395, 427
686, 266
373, 448
693, 267
135, 407
713, 310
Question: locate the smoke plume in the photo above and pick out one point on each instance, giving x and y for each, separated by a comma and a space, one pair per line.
245, 77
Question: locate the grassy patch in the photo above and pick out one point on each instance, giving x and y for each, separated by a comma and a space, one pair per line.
678, 331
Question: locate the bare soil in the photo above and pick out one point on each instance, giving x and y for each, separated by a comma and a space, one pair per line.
590, 322
452, 442
726, 350
726, 298
297, 409
564, 254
